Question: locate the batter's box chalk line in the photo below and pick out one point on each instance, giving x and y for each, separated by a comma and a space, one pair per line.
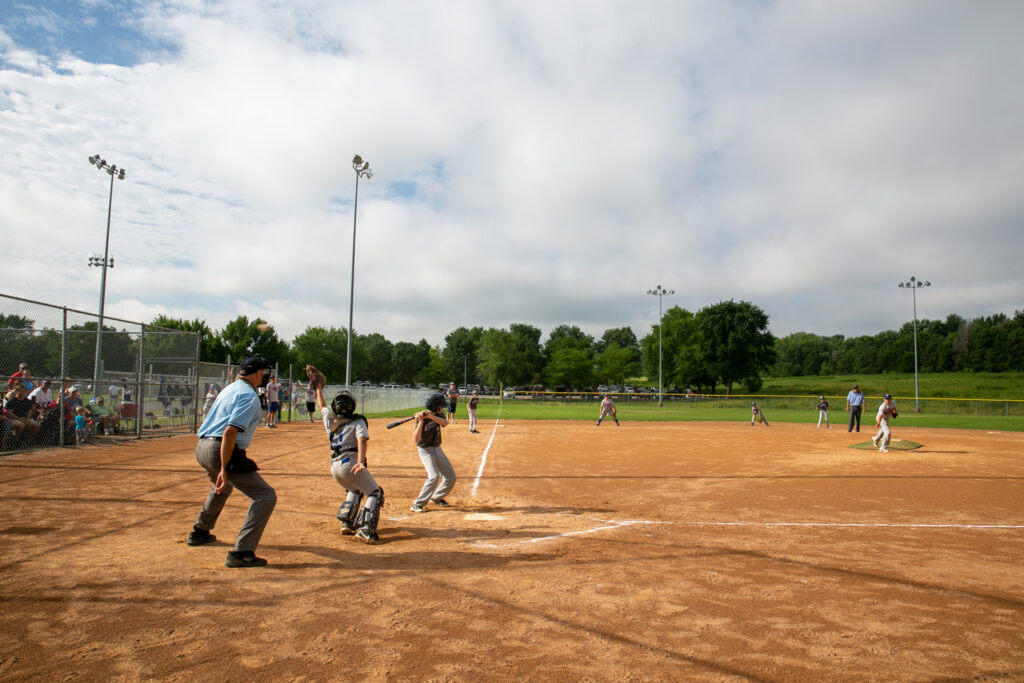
610, 524
857, 525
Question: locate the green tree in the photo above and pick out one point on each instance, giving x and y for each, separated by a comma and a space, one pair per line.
243, 338
212, 348
567, 337
506, 357
407, 359
735, 342
570, 367
434, 372
623, 336
681, 359
616, 363
376, 352
528, 360
324, 348
460, 353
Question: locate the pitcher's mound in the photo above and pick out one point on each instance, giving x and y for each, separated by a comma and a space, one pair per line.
894, 445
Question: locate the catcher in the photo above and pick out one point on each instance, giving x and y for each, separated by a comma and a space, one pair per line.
348, 434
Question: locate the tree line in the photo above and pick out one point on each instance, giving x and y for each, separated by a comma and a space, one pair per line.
723, 345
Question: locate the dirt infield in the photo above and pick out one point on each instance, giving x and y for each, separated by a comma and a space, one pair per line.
651, 551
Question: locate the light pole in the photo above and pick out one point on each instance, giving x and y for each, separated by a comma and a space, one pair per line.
362, 168
114, 172
660, 291
914, 285
465, 358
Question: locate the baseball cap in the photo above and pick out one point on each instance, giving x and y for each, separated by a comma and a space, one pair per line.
72, 388
856, 386
251, 364
888, 396
821, 397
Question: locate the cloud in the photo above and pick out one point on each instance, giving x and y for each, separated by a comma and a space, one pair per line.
555, 161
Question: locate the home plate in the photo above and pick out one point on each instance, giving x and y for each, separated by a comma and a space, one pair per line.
483, 517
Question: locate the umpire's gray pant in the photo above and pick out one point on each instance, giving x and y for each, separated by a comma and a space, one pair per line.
263, 496
440, 475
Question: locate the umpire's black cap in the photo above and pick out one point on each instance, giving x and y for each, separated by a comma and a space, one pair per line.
251, 364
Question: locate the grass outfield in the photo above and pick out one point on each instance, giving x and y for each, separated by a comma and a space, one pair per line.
990, 385
528, 410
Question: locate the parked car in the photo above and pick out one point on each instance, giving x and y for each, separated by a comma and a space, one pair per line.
508, 393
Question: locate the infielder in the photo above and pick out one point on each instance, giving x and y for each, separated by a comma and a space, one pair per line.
885, 411
823, 412
757, 414
348, 433
223, 439
471, 407
427, 436
608, 410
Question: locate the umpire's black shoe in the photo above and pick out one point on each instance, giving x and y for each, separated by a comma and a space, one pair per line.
200, 537
244, 558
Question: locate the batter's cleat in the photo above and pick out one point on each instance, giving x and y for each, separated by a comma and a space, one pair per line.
200, 537
441, 503
347, 529
417, 508
368, 537
244, 558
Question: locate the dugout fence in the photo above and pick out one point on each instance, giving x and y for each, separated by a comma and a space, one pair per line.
133, 380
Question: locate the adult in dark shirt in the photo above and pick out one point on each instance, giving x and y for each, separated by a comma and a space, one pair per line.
22, 412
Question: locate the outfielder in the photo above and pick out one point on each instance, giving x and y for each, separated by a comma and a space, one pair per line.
757, 414
453, 402
348, 434
885, 411
823, 412
427, 436
608, 410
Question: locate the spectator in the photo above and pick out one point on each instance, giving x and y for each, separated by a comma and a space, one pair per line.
23, 375
116, 390
211, 394
109, 419
81, 425
41, 395
22, 413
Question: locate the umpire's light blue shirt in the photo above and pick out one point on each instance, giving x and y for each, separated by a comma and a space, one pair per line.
855, 398
237, 406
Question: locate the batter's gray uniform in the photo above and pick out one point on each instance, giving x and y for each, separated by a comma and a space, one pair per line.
440, 473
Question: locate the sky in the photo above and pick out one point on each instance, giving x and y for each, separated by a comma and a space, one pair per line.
537, 161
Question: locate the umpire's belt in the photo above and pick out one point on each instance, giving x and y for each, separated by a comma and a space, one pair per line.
212, 438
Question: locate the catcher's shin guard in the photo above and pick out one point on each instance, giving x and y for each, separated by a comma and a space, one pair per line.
347, 511
370, 514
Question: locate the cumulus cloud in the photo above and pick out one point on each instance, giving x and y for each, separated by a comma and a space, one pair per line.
532, 162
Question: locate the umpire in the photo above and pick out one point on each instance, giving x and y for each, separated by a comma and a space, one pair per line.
225, 434
855, 406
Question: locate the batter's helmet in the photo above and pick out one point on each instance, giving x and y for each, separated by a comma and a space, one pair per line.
344, 404
435, 402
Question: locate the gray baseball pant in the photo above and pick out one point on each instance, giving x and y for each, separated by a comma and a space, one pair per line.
440, 475
263, 496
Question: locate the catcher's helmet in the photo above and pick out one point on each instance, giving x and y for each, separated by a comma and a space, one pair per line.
344, 404
435, 402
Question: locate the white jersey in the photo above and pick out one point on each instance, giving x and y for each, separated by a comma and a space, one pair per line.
885, 411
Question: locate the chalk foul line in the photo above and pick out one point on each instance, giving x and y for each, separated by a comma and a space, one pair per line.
895, 525
483, 458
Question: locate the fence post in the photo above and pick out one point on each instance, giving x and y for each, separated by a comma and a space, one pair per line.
140, 387
291, 392
63, 374
195, 394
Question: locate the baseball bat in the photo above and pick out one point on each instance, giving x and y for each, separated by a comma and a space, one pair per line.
391, 425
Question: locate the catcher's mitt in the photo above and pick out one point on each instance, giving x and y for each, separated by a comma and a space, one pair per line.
316, 377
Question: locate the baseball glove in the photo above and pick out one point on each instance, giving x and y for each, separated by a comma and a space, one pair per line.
316, 377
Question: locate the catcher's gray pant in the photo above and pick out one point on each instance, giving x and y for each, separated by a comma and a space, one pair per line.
883, 433
472, 419
263, 496
440, 475
342, 473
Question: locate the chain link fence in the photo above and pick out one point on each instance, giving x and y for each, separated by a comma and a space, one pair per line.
124, 380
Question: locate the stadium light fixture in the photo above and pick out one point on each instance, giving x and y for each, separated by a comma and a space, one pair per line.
914, 284
660, 291
362, 168
107, 262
